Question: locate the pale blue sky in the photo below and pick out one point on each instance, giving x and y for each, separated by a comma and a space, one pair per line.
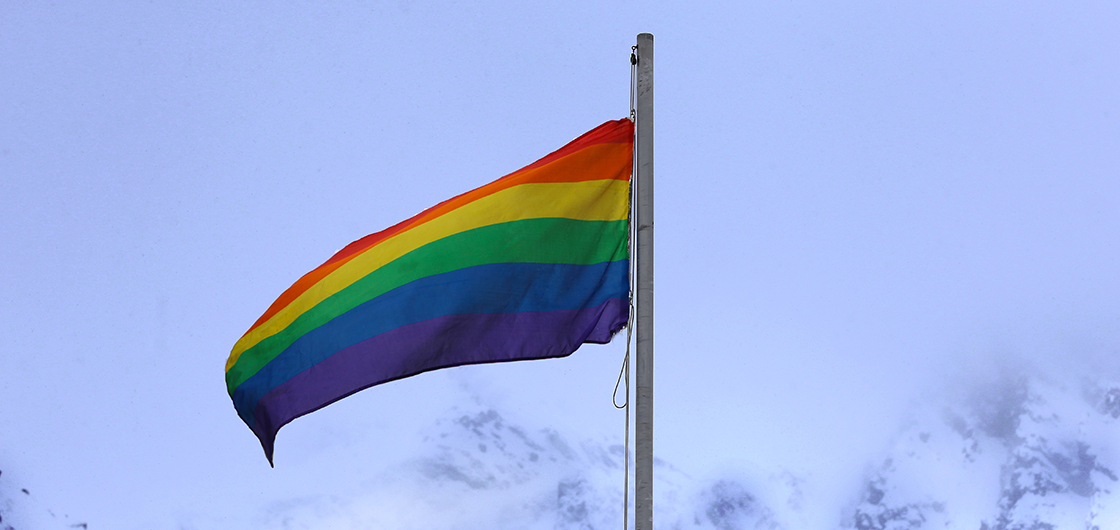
853, 202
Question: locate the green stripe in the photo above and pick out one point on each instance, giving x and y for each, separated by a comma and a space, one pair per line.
550, 240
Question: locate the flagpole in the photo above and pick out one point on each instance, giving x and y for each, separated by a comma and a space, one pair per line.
643, 416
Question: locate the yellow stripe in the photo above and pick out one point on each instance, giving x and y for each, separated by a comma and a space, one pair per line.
595, 200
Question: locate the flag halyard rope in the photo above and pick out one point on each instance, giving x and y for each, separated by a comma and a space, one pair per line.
624, 372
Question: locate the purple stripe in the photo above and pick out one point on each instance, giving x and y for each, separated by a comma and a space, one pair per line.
437, 343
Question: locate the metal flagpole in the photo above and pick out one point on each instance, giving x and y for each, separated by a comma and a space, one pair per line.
643, 414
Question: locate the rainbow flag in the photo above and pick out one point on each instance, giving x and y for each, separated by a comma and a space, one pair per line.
529, 266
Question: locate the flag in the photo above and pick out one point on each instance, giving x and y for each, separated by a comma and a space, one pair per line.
529, 266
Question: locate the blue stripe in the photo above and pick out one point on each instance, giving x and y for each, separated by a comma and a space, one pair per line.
482, 289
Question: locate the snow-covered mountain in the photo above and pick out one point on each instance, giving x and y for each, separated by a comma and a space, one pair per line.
554, 482
1015, 453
